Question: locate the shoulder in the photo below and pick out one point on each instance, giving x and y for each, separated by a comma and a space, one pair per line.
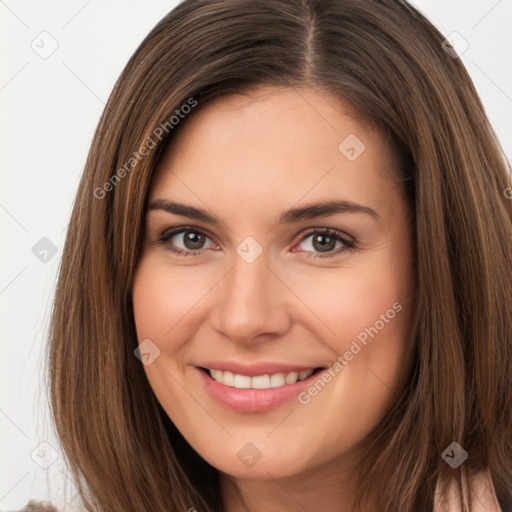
39, 506
454, 499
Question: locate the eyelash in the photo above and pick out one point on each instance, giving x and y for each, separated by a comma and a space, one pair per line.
349, 244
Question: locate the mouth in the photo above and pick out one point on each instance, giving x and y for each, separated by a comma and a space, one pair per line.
258, 392
264, 381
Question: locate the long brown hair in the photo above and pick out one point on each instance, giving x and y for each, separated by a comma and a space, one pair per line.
387, 61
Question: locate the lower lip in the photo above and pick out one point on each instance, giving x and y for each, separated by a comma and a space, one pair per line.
254, 400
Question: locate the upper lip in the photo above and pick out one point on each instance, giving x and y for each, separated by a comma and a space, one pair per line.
252, 370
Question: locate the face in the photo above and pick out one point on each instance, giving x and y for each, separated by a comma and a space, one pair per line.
276, 282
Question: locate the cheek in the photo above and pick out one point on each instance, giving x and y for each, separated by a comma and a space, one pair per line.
162, 299
352, 305
365, 314
342, 304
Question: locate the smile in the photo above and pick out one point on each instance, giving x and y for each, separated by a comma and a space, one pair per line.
254, 388
266, 381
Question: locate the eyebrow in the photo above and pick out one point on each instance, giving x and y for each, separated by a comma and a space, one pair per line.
294, 215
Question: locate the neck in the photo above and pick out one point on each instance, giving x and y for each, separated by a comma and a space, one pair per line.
328, 487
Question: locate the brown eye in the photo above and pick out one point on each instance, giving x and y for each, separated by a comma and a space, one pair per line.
193, 240
185, 241
325, 243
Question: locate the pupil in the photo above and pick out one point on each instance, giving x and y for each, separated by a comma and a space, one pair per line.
193, 240
320, 244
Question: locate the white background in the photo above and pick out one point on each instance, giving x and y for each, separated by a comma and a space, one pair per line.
49, 111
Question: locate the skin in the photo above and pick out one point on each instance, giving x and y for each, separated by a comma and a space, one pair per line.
247, 159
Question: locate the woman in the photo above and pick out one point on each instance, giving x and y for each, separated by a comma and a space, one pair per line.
286, 280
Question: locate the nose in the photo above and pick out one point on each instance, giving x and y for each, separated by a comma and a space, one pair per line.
251, 303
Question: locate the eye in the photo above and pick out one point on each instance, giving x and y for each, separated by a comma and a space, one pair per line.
325, 241
317, 243
186, 241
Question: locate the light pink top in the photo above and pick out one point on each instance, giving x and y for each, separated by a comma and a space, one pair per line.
483, 495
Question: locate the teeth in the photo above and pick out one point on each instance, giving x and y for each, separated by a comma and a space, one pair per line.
260, 382
227, 378
291, 377
242, 382
275, 380
305, 374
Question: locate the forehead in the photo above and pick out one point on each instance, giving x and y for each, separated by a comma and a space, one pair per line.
276, 146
